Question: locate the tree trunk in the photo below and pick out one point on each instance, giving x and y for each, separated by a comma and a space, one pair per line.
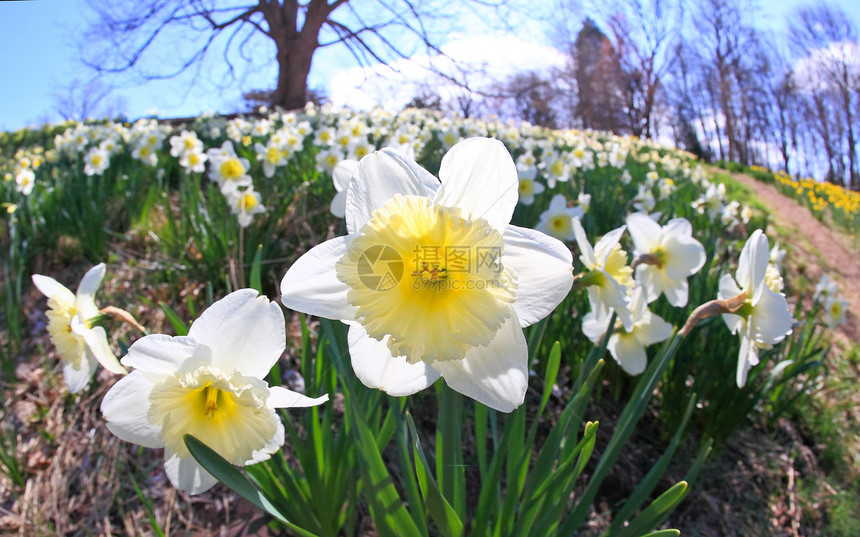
294, 64
295, 47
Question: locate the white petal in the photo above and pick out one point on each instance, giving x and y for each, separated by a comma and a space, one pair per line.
752, 264
654, 330
479, 176
379, 177
77, 379
649, 277
245, 332
544, 270
376, 368
495, 375
684, 256
186, 474
96, 340
283, 398
125, 407
160, 354
747, 357
645, 232
771, 321
587, 252
52, 288
678, 227
311, 285
728, 288
85, 296
606, 243
595, 323
628, 352
338, 204
676, 291
342, 174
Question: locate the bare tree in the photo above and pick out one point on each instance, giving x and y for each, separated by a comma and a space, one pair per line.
88, 99
825, 41
644, 33
529, 96
133, 35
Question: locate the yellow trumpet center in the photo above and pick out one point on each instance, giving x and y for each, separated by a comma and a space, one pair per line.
249, 201
69, 344
428, 278
227, 413
232, 168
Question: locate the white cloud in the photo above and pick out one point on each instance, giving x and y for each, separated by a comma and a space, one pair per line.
477, 60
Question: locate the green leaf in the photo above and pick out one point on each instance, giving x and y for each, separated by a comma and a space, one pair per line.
650, 517
386, 507
226, 473
440, 510
179, 326
255, 280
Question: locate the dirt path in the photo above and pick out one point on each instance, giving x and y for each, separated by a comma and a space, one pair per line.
817, 249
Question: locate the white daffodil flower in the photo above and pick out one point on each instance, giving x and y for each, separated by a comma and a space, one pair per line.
227, 169
628, 346
340, 176
81, 345
764, 319
245, 204
609, 277
835, 311
431, 279
25, 180
584, 201
825, 288
528, 186
272, 156
96, 161
667, 255
207, 384
777, 255
557, 220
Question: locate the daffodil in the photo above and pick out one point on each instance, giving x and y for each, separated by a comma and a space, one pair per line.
628, 346
227, 169
763, 320
341, 175
25, 180
608, 279
96, 161
245, 204
557, 220
207, 384
528, 186
825, 288
431, 279
667, 255
81, 345
835, 311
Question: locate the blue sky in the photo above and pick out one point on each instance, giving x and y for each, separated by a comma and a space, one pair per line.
38, 57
